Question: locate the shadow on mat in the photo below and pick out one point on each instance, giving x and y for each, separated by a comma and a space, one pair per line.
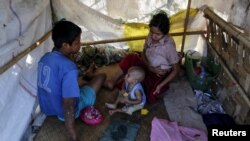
120, 130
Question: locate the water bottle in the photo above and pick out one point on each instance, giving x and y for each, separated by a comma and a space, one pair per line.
203, 73
202, 77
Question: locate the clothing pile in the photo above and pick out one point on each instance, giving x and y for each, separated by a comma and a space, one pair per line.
207, 104
99, 55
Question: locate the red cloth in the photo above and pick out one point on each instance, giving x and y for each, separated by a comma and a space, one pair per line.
151, 80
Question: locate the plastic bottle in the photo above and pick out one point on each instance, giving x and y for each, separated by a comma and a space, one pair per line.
203, 73
202, 77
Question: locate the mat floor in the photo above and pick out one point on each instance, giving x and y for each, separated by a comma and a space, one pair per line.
54, 130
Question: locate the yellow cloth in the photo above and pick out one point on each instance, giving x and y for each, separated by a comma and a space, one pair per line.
141, 29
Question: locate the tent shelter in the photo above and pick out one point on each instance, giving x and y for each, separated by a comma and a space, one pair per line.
25, 27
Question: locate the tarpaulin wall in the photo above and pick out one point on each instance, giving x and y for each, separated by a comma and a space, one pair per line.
22, 23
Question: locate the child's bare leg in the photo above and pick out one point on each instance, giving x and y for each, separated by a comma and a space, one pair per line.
97, 81
114, 105
111, 82
111, 112
110, 105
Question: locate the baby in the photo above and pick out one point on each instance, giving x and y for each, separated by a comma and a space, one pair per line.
132, 93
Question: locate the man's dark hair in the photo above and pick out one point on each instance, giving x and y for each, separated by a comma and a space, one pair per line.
161, 21
64, 32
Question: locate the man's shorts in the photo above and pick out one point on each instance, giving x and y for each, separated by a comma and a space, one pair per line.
87, 98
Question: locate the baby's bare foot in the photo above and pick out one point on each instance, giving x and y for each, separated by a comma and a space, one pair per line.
111, 112
110, 106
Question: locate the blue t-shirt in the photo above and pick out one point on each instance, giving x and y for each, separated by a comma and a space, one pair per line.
57, 79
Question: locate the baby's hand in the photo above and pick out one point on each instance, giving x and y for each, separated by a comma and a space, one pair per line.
122, 91
125, 94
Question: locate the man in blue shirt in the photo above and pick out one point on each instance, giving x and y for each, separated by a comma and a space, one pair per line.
58, 83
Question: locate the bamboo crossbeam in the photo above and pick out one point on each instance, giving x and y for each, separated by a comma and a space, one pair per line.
45, 37
24, 53
227, 27
138, 38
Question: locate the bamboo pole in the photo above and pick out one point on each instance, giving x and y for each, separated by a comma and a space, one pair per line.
24, 53
185, 26
138, 38
227, 27
45, 37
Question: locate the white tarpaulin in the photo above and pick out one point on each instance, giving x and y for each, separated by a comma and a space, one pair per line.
22, 23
